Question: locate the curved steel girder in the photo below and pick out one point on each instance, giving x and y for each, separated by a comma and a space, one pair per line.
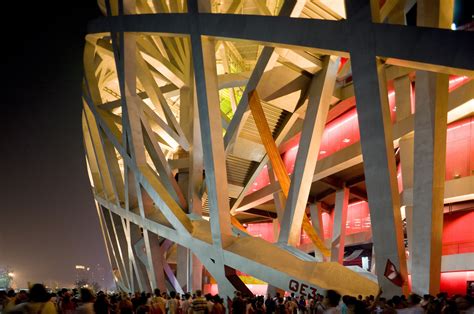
401, 45
256, 257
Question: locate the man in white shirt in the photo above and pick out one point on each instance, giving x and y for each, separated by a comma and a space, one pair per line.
331, 302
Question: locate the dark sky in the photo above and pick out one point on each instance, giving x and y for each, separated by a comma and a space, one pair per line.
48, 222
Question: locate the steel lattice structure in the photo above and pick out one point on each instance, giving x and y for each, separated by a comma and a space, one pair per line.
178, 95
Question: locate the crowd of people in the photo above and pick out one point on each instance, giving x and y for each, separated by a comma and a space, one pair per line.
39, 301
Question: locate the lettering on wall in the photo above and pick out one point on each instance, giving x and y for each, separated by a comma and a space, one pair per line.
301, 288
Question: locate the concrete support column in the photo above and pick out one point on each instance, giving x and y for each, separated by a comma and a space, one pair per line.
406, 161
189, 268
409, 226
428, 192
430, 159
183, 269
182, 258
370, 87
316, 212
139, 268
373, 264
158, 260
276, 229
195, 279
402, 87
397, 16
339, 225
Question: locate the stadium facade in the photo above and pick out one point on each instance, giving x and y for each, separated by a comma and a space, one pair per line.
300, 145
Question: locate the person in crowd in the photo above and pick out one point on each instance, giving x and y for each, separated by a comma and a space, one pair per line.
101, 304
66, 305
238, 304
87, 300
22, 297
280, 306
9, 300
157, 303
270, 305
346, 302
251, 307
291, 305
210, 304
218, 307
142, 307
199, 304
434, 306
302, 305
136, 301
3, 299
172, 305
260, 305
319, 307
186, 304
331, 302
179, 302
125, 305
114, 299
412, 305
38, 303
397, 303
464, 304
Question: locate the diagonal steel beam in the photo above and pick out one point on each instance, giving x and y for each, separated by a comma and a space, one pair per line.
320, 94
375, 126
266, 57
277, 164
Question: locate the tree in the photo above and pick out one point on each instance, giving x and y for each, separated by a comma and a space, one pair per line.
84, 283
95, 287
6, 277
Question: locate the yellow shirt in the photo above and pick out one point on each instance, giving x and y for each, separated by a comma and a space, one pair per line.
35, 308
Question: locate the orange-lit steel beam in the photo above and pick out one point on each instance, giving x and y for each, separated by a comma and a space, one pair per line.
278, 165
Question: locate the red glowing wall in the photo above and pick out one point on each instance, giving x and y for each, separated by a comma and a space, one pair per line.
460, 149
456, 282
458, 233
343, 131
261, 230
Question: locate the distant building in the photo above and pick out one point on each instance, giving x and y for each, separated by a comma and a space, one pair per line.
83, 273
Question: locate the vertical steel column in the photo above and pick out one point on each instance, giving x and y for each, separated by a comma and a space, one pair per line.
377, 146
339, 225
430, 159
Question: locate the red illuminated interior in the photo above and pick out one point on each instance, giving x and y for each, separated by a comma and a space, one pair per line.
458, 234
456, 282
343, 131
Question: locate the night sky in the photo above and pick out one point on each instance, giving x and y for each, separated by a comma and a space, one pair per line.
48, 222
